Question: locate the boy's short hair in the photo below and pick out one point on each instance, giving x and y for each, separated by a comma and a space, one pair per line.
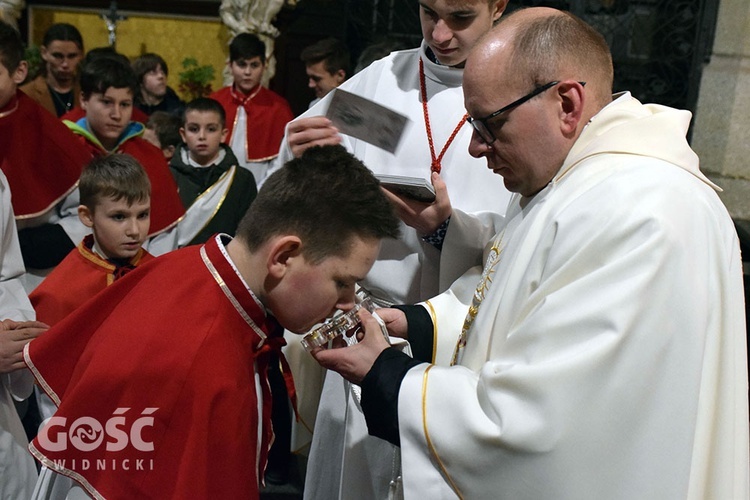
333, 52
205, 104
100, 73
11, 47
167, 128
114, 176
325, 197
63, 32
247, 46
148, 62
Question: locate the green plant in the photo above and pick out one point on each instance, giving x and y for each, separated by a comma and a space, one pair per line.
196, 80
33, 58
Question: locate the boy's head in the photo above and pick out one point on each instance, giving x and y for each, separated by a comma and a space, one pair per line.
247, 61
203, 129
327, 64
12, 66
107, 89
163, 131
62, 50
320, 220
116, 204
450, 28
151, 72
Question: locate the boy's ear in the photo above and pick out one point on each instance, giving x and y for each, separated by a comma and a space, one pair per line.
83, 101
168, 151
19, 75
283, 252
182, 134
86, 216
224, 133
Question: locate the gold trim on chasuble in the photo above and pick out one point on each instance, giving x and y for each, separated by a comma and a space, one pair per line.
433, 316
427, 438
484, 284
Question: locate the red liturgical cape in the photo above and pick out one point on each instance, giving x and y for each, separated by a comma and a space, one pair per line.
80, 276
39, 156
267, 116
155, 380
166, 206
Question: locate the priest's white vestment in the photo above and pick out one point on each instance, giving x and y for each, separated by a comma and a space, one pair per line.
605, 348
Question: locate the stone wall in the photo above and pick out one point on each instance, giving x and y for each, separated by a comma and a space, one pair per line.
721, 134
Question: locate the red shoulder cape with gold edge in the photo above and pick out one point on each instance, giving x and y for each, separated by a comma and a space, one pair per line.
267, 116
169, 345
39, 156
80, 276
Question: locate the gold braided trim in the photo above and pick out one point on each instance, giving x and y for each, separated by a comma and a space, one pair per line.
433, 316
431, 446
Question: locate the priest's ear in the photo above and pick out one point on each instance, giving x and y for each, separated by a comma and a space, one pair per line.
86, 215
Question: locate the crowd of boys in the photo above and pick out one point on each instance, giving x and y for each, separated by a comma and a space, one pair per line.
505, 401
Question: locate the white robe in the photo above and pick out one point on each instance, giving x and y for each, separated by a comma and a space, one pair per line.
407, 270
608, 357
17, 469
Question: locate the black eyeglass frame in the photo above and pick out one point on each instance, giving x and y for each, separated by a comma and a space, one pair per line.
480, 124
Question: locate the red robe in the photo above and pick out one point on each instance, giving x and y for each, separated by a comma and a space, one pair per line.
267, 116
80, 276
166, 206
179, 340
39, 156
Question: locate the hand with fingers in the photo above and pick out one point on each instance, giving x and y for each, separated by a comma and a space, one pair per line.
312, 131
424, 217
354, 362
14, 335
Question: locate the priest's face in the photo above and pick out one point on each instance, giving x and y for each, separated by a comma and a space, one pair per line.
108, 114
309, 292
119, 227
247, 73
452, 27
526, 146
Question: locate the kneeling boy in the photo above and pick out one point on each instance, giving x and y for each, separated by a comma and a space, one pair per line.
168, 365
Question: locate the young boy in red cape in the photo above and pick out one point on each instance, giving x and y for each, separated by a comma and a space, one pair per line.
256, 116
161, 379
115, 204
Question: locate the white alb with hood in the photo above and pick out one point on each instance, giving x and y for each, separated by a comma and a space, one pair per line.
605, 354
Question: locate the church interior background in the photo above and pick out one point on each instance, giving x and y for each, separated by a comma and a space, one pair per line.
659, 46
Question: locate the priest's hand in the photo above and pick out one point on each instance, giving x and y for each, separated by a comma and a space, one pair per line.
426, 218
395, 322
312, 131
353, 362
14, 335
